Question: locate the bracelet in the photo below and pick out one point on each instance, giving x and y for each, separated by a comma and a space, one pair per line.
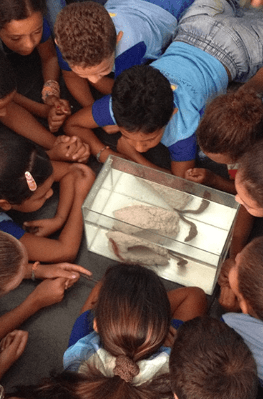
50, 88
99, 153
34, 268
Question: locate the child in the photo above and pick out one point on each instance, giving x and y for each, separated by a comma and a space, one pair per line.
124, 353
15, 114
246, 281
249, 184
231, 123
199, 64
209, 360
26, 177
13, 268
95, 40
22, 29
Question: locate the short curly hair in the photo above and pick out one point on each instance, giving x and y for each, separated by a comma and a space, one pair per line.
142, 99
231, 124
85, 34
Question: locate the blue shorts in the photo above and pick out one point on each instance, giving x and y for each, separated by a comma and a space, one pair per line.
232, 35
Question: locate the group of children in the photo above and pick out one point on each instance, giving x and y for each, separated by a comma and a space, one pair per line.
169, 59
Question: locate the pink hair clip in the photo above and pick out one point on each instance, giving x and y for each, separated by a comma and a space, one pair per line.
32, 185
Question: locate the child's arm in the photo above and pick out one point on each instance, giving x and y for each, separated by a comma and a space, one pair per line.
209, 178
65, 248
92, 298
45, 294
187, 303
45, 227
49, 61
80, 124
129, 152
65, 270
242, 229
23, 123
78, 87
54, 115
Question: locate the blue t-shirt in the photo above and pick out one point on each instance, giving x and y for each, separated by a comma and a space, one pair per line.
251, 330
147, 30
196, 77
9, 226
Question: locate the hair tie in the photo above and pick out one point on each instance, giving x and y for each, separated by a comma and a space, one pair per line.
126, 368
32, 185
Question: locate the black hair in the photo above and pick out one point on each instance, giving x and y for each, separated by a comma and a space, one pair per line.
142, 99
210, 360
18, 155
19, 9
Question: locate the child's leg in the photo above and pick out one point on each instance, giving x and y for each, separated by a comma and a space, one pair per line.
207, 24
187, 303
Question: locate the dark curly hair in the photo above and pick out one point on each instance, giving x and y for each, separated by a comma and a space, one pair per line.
231, 124
85, 34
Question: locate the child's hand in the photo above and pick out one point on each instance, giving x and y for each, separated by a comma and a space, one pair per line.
200, 175
49, 292
228, 300
66, 270
59, 111
84, 176
44, 227
71, 149
12, 346
223, 276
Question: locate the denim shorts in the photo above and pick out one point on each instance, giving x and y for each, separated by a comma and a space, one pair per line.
227, 32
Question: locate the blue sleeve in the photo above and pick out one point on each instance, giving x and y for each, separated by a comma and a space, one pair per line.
174, 7
183, 150
61, 62
46, 31
10, 227
82, 327
176, 323
102, 111
130, 57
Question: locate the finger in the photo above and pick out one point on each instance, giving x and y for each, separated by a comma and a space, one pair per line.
76, 268
21, 341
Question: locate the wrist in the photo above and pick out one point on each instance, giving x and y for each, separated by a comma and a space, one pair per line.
60, 219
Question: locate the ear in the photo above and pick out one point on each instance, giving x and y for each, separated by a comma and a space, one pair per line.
244, 306
4, 205
95, 328
119, 36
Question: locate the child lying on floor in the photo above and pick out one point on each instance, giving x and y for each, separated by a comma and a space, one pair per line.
26, 178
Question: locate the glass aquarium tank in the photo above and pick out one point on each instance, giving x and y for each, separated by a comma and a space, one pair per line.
180, 229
